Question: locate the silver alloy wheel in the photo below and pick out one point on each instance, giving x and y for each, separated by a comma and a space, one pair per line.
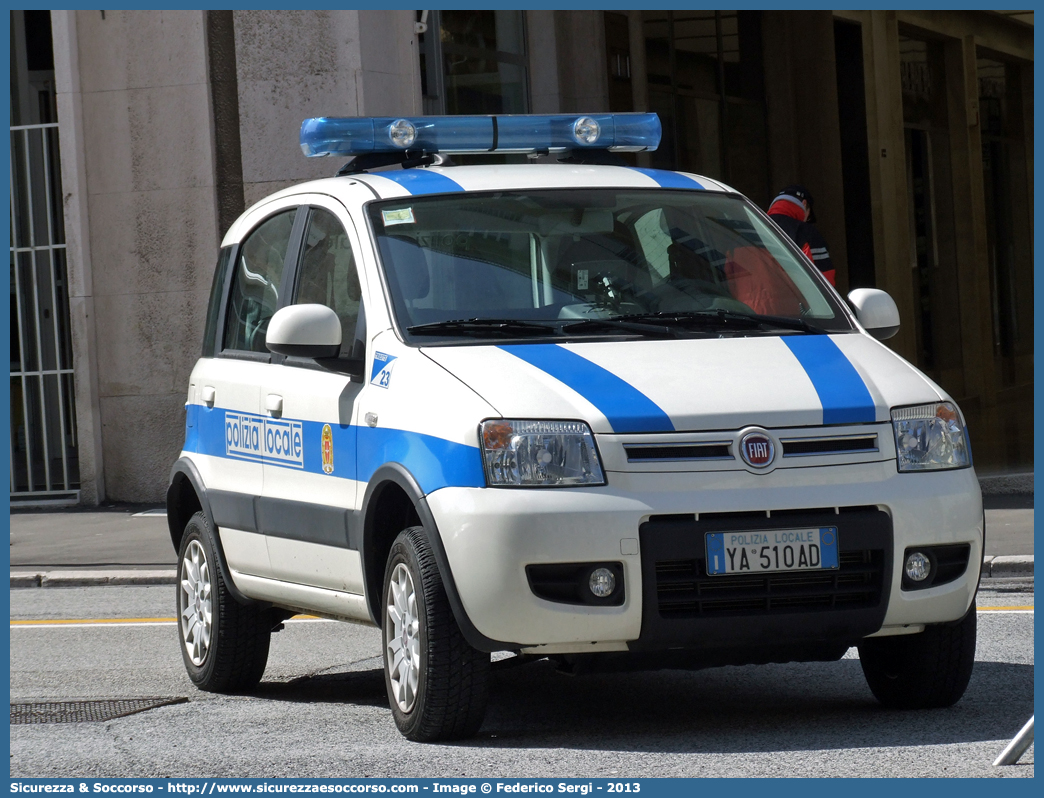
402, 650
196, 616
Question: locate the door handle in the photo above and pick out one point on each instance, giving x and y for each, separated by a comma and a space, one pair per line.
274, 404
208, 395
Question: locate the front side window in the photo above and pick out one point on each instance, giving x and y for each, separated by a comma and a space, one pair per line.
254, 294
327, 273
693, 263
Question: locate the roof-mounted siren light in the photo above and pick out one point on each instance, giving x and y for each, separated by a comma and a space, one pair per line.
521, 133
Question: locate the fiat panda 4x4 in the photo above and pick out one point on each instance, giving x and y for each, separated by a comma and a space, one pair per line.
571, 409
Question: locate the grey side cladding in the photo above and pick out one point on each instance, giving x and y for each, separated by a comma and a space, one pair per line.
309, 523
234, 510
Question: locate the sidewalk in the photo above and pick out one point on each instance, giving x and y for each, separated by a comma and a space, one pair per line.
114, 545
130, 544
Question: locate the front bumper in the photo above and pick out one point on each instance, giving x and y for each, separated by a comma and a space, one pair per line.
491, 535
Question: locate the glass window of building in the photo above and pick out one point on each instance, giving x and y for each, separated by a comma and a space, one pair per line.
1009, 247
933, 256
474, 62
706, 83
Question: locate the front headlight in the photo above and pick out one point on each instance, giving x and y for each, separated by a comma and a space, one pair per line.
539, 454
930, 437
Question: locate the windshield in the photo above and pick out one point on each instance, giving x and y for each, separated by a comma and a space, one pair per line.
593, 262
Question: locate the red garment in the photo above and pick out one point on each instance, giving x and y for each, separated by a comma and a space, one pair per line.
784, 207
756, 280
790, 216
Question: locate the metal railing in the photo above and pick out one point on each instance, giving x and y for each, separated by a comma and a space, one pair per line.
44, 466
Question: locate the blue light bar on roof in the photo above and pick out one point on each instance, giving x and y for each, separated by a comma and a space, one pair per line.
520, 133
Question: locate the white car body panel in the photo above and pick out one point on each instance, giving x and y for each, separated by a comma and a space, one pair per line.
419, 406
486, 539
305, 598
712, 384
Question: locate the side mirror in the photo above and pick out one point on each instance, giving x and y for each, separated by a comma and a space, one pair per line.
304, 331
876, 311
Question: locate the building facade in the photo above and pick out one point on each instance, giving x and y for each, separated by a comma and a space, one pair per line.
913, 130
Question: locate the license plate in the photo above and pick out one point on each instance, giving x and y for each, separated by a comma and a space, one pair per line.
763, 551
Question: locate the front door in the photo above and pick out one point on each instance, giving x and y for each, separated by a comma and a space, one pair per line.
311, 494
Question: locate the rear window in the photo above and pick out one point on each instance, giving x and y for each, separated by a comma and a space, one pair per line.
217, 289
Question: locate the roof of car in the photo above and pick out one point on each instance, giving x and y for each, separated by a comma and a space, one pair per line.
394, 183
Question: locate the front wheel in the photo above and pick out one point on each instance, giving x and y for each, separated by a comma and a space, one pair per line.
922, 671
437, 684
224, 643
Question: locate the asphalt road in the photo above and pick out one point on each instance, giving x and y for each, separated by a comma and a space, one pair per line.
321, 709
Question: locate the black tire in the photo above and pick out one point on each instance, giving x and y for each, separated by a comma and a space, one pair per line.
449, 701
929, 670
233, 659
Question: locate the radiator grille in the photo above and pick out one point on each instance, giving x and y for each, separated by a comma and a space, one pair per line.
721, 450
811, 446
684, 590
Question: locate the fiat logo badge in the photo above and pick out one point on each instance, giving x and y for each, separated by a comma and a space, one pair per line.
756, 449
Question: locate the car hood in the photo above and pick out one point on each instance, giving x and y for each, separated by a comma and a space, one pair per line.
693, 384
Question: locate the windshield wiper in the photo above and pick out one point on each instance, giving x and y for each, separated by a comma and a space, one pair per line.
505, 327
623, 323
726, 318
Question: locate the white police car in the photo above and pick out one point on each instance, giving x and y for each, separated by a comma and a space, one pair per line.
598, 413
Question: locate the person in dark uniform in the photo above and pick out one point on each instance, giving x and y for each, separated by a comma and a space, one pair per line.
792, 211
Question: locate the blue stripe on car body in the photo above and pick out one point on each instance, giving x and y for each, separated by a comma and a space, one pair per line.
842, 392
626, 408
434, 462
357, 451
668, 179
421, 181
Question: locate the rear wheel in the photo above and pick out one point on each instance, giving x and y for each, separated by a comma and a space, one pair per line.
224, 644
437, 684
922, 671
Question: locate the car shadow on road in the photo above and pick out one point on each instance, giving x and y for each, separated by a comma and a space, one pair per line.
1008, 502
793, 707
361, 688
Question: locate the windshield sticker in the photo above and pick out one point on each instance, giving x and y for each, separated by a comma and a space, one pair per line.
398, 216
381, 373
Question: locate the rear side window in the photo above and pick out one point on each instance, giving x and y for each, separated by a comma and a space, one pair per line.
254, 294
327, 274
214, 307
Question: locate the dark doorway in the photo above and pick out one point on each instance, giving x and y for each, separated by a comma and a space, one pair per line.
855, 165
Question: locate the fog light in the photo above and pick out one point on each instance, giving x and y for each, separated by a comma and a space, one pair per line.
918, 566
602, 582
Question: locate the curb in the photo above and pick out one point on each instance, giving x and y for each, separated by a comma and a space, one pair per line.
1007, 565
1006, 484
999, 567
72, 578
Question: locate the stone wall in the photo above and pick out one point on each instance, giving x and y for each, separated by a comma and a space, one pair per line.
147, 133
133, 91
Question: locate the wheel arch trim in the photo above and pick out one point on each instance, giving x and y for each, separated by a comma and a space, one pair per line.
185, 469
399, 475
